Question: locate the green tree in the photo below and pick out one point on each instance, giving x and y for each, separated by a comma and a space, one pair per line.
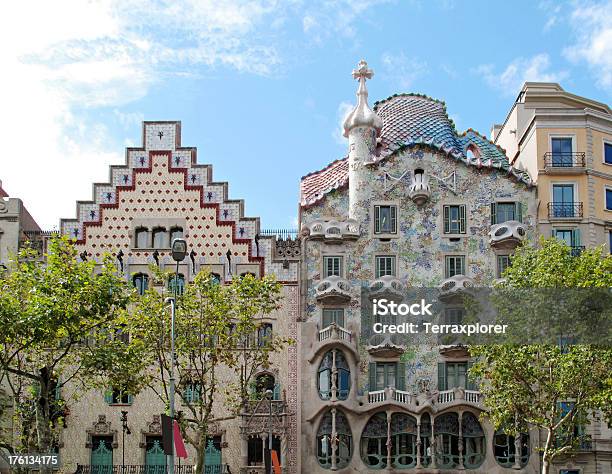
554, 388
57, 316
216, 346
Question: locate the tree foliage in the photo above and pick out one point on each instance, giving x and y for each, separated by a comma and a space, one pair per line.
57, 316
555, 388
217, 348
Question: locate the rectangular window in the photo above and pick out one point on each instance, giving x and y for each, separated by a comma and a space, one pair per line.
454, 375
255, 456
116, 396
332, 265
506, 211
455, 265
385, 265
563, 200
385, 219
333, 315
454, 219
561, 151
453, 315
503, 262
609, 199
386, 375
192, 392
608, 153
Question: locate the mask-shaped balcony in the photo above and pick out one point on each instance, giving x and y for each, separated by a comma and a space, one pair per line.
333, 231
333, 290
388, 287
456, 287
386, 345
507, 235
419, 190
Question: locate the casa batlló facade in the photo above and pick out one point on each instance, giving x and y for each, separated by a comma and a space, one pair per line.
414, 204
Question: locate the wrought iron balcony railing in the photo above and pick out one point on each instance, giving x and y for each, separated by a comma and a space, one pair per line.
564, 210
144, 469
564, 160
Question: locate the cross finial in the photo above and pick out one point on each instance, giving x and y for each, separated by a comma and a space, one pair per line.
362, 71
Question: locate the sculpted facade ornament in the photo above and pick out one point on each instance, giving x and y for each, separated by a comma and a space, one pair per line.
101, 428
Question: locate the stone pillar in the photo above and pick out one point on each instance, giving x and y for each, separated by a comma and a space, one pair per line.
418, 442
434, 461
461, 440
334, 378
334, 441
244, 450
389, 440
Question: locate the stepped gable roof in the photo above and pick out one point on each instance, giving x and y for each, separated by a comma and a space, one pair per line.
412, 120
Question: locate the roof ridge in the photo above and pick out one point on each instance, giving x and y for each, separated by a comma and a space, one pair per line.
476, 132
410, 94
323, 169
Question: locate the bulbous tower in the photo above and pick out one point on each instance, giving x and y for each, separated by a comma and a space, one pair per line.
362, 127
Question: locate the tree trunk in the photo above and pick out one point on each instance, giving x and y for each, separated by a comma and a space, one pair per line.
545, 454
201, 452
43, 422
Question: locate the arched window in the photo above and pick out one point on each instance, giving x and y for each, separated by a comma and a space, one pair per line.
403, 441
504, 449
175, 233
446, 429
160, 238
473, 441
344, 448
374, 442
176, 284
472, 152
141, 283
142, 238
325, 380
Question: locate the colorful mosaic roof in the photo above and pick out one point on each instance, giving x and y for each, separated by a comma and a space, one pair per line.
411, 120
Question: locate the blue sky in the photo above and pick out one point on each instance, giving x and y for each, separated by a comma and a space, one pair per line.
261, 86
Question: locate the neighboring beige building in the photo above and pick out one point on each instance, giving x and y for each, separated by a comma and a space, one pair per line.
161, 193
564, 141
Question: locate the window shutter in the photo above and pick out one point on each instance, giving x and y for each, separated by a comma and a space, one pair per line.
326, 318
471, 382
518, 211
376, 219
446, 220
447, 267
441, 376
108, 396
277, 391
576, 237
393, 212
493, 213
401, 376
372, 376
130, 399
462, 219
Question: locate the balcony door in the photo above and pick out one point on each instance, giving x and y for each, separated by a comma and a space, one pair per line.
563, 200
561, 152
102, 455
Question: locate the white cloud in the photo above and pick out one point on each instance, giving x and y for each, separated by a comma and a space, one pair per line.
519, 71
402, 70
344, 108
593, 29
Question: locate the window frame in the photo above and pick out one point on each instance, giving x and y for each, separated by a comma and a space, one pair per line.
141, 230
324, 261
603, 151
145, 278
498, 258
462, 220
159, 230
607, 189
333, 318
447, 273
394, 217
377, 267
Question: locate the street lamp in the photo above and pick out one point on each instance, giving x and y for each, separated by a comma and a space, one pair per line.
179, 251
269, 396
126, 430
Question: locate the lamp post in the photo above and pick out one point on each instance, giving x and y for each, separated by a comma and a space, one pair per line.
269, 396
126, 430
179, 251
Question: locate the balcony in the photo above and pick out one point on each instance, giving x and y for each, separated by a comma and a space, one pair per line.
565, 211
332, 231
388, 287
566, 163
459, 395
390, 394
455, 287
507, 235
576, 250
333, 290
335, 332
386, 345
